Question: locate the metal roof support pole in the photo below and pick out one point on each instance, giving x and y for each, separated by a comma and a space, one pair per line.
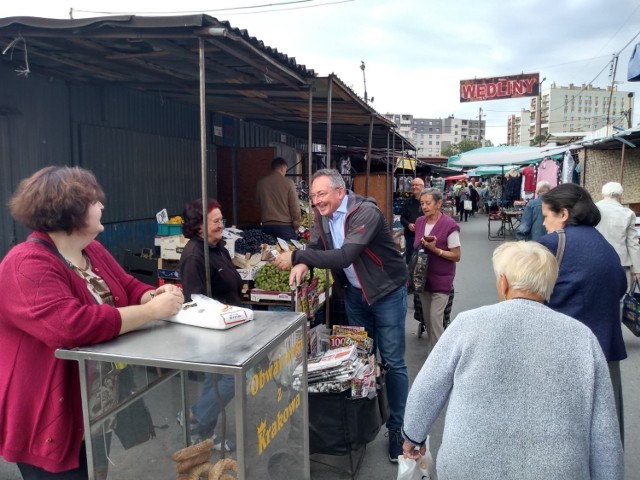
389, 183
203, 163
622, 164
310, 147
329, 120
366, 182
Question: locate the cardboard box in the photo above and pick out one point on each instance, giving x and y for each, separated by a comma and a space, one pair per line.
171, 247
250, 273
258, 295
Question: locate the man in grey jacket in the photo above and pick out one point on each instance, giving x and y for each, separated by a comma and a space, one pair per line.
353, 239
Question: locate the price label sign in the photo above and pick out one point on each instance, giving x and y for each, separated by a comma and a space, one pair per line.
162, 216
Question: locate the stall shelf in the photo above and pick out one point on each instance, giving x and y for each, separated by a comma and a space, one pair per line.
268, 416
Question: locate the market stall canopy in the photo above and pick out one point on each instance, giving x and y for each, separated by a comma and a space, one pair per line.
629, 138
455, 178
506, 155
405, 164
439, 170
488, 170
160, 55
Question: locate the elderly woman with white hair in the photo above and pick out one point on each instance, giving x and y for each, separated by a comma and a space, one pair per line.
528, 388
618, 226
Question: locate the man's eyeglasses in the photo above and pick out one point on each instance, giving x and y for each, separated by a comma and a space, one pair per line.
319, 195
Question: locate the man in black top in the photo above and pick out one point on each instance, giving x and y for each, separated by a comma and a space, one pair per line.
410, 212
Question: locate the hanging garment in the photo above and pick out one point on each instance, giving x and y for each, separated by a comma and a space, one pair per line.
529, 176
548, 170
568, 164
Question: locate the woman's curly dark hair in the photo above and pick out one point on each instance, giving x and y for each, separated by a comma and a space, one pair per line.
577, 201
55, 199
193, 216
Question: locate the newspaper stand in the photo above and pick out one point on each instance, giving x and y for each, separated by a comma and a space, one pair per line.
266, 417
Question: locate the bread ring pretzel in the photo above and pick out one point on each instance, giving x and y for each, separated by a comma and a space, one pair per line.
226, 464
195, 472
189, 463
193, 450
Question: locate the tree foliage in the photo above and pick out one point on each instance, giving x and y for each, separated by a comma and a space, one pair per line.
460, 147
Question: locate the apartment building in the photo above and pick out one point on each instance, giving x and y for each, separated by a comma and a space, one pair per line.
432, 135
518, 128
579, 109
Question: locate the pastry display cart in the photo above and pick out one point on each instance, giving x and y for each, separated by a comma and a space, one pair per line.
267, 418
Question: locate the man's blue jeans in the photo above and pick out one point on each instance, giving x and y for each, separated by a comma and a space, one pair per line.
206, 409
384, 322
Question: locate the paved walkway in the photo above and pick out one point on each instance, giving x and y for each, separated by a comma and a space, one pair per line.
474, 286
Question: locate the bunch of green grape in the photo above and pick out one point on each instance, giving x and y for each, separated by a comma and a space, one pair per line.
271, 278
321, 275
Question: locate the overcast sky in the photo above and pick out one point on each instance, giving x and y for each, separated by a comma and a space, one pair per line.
417, 51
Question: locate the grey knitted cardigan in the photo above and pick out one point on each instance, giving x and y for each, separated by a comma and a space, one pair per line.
529, 398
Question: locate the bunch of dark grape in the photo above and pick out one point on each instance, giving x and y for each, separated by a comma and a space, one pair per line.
252, 240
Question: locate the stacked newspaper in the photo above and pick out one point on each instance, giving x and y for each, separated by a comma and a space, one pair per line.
333, 370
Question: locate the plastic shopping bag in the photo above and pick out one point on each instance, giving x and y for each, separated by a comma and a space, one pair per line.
421, 469
206, 312
410, 469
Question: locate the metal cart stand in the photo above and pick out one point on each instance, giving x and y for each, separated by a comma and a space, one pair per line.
268, 414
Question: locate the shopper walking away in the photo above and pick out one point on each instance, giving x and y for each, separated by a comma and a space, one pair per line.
278, 201
531, 227
464, 195
518, 408
618, 226
591, 281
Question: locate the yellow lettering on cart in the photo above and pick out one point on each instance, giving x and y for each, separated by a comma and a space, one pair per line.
260, 379
266, 433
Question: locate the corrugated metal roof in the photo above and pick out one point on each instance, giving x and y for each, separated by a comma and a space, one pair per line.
244, 78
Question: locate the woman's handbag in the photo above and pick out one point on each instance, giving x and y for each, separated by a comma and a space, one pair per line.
418, 271
468, 205
631, 309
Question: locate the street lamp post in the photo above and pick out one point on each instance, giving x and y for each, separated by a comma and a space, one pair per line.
539, 129
364, 78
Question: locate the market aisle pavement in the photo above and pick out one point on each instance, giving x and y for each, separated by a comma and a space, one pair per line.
474, 287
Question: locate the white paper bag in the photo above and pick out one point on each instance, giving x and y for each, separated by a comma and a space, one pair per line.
206, 312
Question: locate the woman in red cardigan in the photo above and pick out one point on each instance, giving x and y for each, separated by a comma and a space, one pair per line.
61, 289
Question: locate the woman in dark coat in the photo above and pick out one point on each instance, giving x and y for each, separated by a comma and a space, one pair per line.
591, 281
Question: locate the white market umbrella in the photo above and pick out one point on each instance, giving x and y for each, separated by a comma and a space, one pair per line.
507, 155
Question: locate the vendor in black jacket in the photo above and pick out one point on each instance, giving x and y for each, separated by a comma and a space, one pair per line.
353, 239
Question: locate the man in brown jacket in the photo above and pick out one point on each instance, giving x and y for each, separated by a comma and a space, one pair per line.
278, 201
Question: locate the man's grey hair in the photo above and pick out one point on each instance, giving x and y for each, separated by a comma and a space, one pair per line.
543, 186
337, 181
612, 189
434, 192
